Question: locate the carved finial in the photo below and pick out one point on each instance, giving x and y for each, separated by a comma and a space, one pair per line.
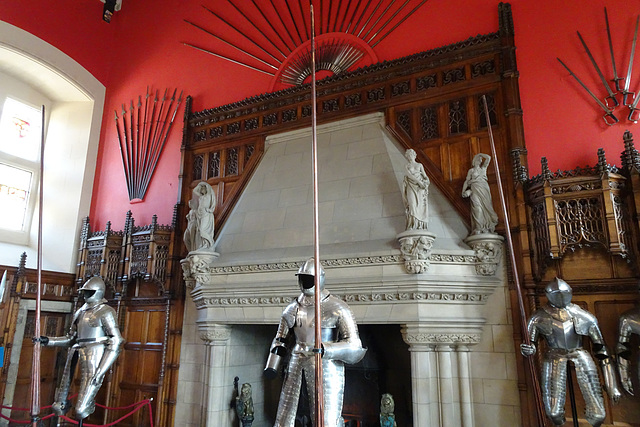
505, 20
128, 223
174, 220
185, 128
22, 271
23, 263
154, 222
107, 229
546, 173
602, 161
84, 233
630, 156
520, 172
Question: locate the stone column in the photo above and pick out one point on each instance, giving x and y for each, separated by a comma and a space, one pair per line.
440, 375
464, 377
216, 392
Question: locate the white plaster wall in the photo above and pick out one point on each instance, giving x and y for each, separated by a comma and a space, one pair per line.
493, 365
189, 403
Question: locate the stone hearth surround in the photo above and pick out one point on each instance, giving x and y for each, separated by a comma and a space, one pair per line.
454, 318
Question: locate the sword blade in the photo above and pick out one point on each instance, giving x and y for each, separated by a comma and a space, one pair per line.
627, 81
616, 79
608, 113
232, 45
634, 112
243, 34
258, 29
229, 59
612, 95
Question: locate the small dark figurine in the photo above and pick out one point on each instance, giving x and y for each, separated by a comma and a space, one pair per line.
387, 406
244, 405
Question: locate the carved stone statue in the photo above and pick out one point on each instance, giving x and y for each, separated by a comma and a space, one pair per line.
387, 407
483, 218
244, 406
629, 324
563, 325
94, 340
189, 236
200, 229
340, 344
414, 193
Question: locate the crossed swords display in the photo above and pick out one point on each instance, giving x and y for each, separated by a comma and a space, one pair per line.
629, 99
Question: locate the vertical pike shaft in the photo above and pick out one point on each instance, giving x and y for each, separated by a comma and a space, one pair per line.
319, 397
514, 266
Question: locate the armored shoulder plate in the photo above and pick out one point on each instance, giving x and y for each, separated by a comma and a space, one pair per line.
289, 314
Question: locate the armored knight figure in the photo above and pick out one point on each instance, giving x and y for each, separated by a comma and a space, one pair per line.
340, 344
563, 325
628, 325
95, 337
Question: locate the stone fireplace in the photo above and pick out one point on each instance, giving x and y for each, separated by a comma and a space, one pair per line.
450, 321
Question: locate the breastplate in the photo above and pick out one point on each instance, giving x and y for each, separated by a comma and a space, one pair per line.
304, 327
89, 326
563, 335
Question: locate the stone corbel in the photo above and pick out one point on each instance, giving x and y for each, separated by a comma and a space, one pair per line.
415, 246
213, 334
196, 267
488, 251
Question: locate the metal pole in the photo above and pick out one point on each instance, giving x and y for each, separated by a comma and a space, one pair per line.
572, 397
35, 361
516, 277
316, 240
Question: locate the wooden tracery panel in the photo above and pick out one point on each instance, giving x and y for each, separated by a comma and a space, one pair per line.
146, 291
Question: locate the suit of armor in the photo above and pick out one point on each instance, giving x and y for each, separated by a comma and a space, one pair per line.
95, 341
340, 344
563, 325
629, 324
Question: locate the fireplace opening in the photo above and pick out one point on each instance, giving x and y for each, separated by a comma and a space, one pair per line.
386, 368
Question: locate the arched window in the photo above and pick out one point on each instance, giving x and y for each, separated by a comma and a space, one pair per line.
34, 73
20, 140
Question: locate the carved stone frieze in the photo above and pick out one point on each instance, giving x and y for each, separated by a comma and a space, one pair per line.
444, 338
328, 262
364, 298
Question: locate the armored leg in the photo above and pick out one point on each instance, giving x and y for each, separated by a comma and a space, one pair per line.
333, 383
290, 393
61, 405
553, 384
333, 388
90, 357
589, 382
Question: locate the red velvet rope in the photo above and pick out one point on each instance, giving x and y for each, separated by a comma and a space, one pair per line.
13, 408
137, 405
142, 403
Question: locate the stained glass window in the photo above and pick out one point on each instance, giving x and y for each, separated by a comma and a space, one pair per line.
15, 185
20, 129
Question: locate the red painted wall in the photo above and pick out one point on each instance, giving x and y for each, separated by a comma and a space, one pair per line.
143, 47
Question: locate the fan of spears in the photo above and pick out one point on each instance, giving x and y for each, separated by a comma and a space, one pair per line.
142, 136
622, 96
